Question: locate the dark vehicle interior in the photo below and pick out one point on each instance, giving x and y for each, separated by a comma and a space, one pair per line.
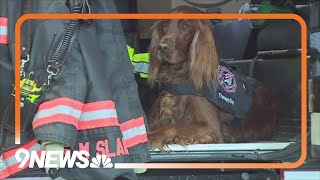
269, 51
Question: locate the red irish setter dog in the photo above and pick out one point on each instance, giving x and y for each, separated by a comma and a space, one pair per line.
183, 51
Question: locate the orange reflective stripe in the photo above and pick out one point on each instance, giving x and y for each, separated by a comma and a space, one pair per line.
56, 118
93, 106
81, 116
136, 140
63, 110
3, 21
3, 30
132, 123
9, 162
61, 101
134, 132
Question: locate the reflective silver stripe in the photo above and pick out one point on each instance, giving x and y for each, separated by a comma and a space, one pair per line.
141, 67
99, 114
12, 160
3, 30
130, 133
62, 109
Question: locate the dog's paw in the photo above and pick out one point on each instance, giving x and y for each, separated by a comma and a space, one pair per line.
183, 141
206, 139
156, 143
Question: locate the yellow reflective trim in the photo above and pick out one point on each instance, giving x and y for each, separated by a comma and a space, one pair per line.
29, 89
142, 75
141, 57
130, 52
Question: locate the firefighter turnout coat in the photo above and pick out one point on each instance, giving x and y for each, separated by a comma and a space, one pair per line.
91, 104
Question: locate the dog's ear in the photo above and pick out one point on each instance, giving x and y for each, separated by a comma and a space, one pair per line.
203, 56
153, 50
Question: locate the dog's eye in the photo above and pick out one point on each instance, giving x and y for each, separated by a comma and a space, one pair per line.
164, 23
185, 27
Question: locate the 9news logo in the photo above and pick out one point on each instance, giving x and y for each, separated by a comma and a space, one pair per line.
57, 159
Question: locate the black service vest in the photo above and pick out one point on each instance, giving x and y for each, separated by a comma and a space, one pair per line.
232, 91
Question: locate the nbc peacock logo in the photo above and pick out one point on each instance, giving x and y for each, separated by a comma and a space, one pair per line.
101, 161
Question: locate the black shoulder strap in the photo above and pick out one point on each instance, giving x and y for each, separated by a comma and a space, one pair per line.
59, 57
181, 89
188, 90
237, 102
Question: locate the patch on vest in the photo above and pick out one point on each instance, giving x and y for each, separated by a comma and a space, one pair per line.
227, 79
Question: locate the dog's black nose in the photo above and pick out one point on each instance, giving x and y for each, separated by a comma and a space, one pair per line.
164, 47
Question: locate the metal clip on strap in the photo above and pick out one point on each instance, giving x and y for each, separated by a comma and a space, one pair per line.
22, 66
59, 56
52, 71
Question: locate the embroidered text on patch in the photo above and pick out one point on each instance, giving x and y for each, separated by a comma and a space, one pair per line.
227, 79
228, 100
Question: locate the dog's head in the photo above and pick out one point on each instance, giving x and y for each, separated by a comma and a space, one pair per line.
187, 43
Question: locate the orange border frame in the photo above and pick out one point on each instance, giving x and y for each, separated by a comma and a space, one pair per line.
182, 16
